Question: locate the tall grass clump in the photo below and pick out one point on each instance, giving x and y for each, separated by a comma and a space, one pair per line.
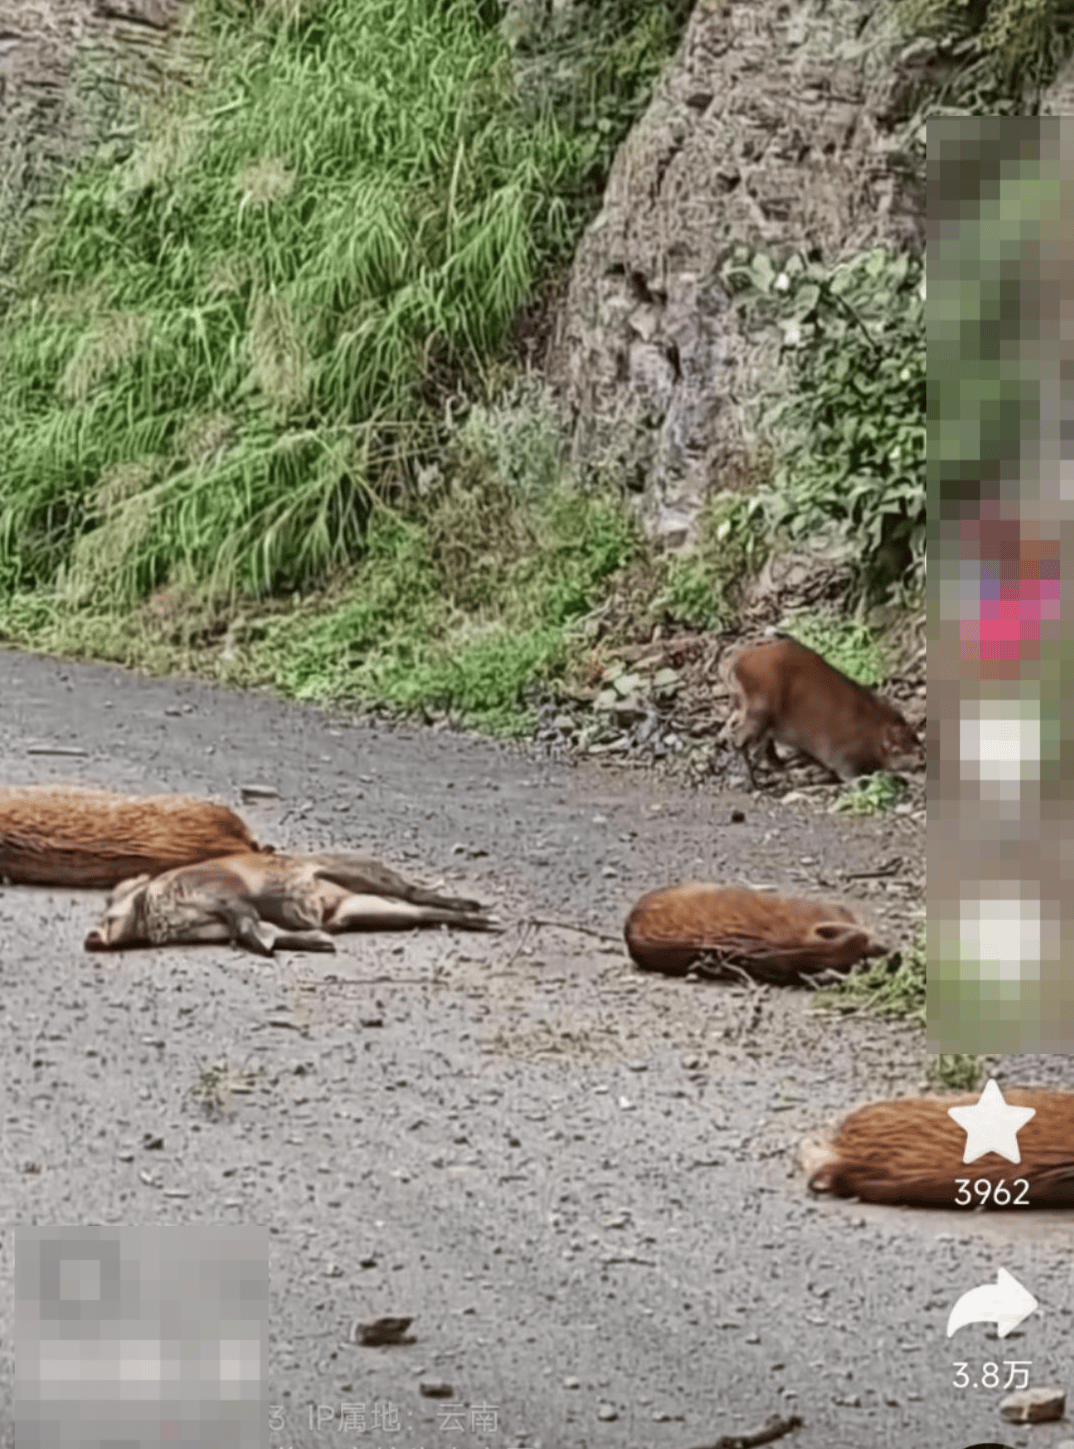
224, 346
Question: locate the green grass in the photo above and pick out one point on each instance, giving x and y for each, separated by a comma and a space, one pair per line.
251, 375
955, 1071
414, 625
224, 344
401, 638
699, 587
892, 987
873, 796
232, 370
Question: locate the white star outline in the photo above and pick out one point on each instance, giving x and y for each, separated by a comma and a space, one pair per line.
991, 1124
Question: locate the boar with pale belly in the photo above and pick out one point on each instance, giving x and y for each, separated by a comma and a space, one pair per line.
268, 901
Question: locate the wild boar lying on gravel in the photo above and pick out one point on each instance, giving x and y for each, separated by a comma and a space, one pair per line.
265, 901
776, 938
910, 1151
78, 836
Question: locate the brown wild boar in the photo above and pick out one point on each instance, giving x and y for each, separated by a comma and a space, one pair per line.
776, 938
79, 836
265, 901
786, 693
909, 1151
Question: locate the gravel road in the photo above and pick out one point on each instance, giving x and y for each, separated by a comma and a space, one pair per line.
580, 1182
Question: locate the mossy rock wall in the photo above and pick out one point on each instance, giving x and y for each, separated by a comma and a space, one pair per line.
776, 128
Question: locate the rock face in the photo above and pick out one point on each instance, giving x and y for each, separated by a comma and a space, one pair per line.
1058, 98
41, 44
44, 45
772, 130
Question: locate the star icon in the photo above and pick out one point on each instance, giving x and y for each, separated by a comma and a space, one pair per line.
991, 1125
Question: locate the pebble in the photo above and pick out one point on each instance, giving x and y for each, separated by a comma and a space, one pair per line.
375, 1331
1034, 1406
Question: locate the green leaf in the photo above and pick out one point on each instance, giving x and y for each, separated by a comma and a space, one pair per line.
762, 272
805, 300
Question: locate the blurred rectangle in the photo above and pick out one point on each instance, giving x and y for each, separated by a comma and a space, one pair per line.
1000, 305
140, 1338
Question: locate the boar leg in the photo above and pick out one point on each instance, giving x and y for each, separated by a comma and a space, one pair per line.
772, 756
366, 912
247, 928
753, 729
243, 924
744, 751
369, 878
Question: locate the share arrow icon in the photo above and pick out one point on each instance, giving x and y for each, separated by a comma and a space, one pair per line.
1005, 1303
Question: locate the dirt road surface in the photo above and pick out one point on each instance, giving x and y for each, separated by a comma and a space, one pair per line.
578, 1180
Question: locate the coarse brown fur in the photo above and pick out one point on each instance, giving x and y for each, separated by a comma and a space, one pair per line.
265, 901
775, 938
79, 836
909, 1151
790, 695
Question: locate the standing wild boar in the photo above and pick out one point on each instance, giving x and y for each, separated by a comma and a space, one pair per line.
788, 694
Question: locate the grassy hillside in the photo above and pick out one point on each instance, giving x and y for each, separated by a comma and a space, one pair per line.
238, 353
261, 406
226, 339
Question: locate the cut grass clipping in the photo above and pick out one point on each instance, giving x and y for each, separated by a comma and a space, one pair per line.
892, 987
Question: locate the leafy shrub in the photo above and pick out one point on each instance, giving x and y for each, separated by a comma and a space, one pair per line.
850, 433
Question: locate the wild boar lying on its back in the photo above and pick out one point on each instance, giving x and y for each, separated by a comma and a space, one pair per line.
265, 901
